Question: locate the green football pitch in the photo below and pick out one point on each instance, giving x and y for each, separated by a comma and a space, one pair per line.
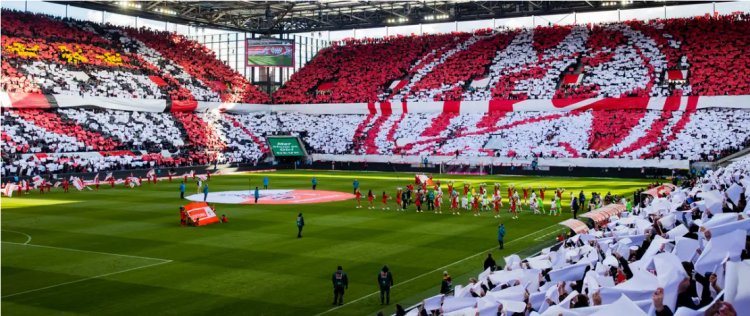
281, 60
122, 250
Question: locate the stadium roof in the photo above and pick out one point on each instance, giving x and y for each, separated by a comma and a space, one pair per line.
271, 17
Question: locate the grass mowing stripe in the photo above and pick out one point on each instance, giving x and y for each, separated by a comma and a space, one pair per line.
437, 269
88, 251
86, 279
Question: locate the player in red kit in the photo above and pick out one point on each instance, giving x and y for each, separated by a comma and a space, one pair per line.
398, 198
370, 200
513, 206
510, 191
526, 196
183, 216
541, 192
454, 203
438, 202
358, 196
385, 201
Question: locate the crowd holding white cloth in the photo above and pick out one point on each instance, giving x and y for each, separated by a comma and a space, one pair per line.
683, 253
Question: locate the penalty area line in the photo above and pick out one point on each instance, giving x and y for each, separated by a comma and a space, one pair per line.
438, 269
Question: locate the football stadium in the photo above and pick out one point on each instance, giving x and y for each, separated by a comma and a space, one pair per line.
339, 157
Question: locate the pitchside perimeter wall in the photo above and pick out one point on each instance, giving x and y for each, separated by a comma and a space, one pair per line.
516, 169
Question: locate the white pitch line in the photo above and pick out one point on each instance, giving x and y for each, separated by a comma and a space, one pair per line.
435, 270
88, 251
28, 237
545, 236
86, 279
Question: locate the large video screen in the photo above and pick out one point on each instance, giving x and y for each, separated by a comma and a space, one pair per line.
285, 146
268, 52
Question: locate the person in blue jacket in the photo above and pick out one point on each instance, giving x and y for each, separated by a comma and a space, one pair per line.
257, 195
355, 184
265, 183
314, 182
182, 190
205, 192
500, 235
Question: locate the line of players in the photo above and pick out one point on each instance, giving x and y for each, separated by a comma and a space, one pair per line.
431, 199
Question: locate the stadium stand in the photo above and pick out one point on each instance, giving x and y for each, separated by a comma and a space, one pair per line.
52, 122
628, 59
64, 56
242, 144
625, 133
149, 131
86, 97
65, 140
687, 242
357, 70
201, 138
643, 63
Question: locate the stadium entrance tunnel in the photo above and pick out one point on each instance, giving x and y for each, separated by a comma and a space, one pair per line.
273, 197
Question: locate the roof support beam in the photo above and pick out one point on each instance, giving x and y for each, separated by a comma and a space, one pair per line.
435, 9
187, 10
481, 5
354, 17
276, 20
217, 16
316, 20
152, 5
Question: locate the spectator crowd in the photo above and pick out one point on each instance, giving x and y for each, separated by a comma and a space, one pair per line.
676, 252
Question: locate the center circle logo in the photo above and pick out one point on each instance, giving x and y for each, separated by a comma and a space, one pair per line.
272, 197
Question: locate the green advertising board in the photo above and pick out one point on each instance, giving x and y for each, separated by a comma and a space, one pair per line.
285, 146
